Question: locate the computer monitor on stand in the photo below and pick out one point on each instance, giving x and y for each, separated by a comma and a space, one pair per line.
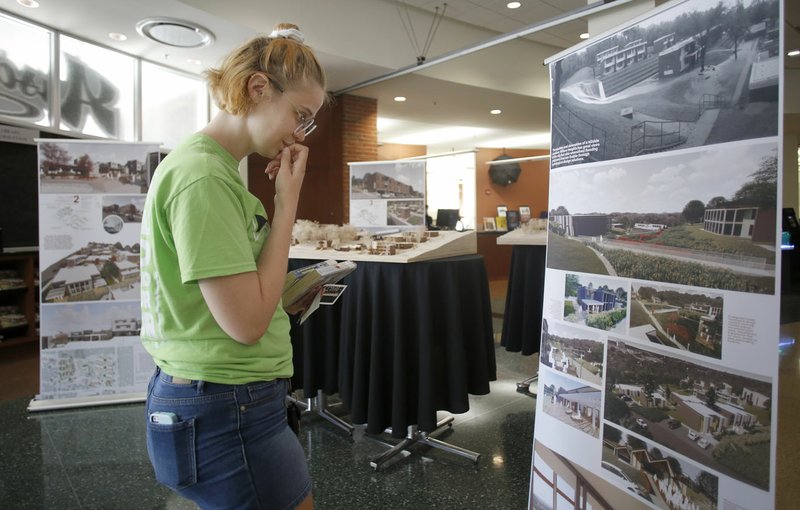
446, 219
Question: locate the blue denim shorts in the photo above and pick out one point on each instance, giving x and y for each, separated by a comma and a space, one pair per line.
227, 446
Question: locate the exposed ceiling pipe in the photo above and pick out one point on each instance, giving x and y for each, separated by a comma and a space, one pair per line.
588, 10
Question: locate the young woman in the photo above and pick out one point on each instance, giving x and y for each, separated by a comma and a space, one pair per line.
212, 275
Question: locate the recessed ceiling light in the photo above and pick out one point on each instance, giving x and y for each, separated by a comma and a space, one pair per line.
794, 53
513, 5
400, 99
33, 4
584, 35
496, 111
193, 61
117, 36
173, 32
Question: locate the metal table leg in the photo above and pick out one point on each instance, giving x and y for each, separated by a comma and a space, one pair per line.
415, 436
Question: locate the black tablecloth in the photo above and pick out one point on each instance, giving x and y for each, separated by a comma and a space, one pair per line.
415, 338
522, 320
315, 344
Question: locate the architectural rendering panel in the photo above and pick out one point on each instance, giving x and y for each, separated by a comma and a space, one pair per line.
704, 218
92, 167
703, 72
684, 319
572, 350
596, 302
718, 417
375, 188
572, 402
657, 475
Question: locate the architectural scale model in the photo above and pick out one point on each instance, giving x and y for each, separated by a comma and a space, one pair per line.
314, 241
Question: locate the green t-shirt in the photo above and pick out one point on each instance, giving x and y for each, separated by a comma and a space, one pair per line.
199, 222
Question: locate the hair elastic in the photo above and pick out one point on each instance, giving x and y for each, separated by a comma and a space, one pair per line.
287, 33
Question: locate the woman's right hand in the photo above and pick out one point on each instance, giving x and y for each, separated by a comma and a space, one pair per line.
288, 173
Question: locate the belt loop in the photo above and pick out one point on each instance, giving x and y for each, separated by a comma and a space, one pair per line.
200, 386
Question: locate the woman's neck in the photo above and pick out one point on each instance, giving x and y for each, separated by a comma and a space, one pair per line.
230, 132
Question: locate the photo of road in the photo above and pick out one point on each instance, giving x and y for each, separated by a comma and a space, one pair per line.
704, 218
676, 80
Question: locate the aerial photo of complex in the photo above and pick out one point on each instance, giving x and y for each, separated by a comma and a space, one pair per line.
718, 418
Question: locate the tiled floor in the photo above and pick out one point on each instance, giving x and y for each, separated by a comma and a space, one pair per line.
95, 458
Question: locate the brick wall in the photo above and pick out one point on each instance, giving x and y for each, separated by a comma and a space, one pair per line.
359, 131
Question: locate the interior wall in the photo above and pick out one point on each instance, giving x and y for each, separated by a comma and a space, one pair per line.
531, 188
392, 151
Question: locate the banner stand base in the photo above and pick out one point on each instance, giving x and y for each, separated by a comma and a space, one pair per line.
72, 403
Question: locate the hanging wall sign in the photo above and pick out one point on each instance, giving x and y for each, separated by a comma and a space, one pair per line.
90, 212
659, 355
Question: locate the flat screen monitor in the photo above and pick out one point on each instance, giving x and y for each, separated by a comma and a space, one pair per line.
447, 218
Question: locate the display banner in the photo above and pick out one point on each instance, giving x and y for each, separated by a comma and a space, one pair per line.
658, 375
387, 194
91, 199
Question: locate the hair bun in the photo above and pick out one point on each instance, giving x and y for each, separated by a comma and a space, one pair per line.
287, 33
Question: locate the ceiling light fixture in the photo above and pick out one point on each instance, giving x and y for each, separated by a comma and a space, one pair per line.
794, 53
513, 5
584, 35
173, 32
33, 4
117, 36
496, 111
400, 99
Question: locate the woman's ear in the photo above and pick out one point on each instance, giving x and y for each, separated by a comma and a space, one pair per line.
258, 87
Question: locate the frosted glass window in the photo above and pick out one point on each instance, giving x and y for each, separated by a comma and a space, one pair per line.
451, 185
174, 105
24, 72
96, 90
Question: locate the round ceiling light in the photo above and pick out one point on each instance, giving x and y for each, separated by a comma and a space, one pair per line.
173, 32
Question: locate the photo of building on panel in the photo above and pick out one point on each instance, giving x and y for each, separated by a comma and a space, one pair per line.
574, 351
558, 484
401, 180
83, 325
95, 167
129, 208
405, 212
96, 272
597, 302
572, 402
718, 418
656, 475
689, 320
703, 218
700, 73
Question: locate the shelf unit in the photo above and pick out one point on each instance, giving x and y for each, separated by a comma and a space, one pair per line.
26, 298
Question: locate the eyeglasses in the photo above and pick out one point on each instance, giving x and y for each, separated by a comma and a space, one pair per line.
306, 125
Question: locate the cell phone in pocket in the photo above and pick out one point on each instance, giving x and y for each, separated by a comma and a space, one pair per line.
163, 418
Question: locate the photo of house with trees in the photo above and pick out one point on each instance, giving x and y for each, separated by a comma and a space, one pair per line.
95, 168
704, 218
573, 351
701, 73
657, 475
717, 417
685, 320
600, 303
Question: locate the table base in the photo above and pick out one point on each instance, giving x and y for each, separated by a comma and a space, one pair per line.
524, 386
319, 406
416, 436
